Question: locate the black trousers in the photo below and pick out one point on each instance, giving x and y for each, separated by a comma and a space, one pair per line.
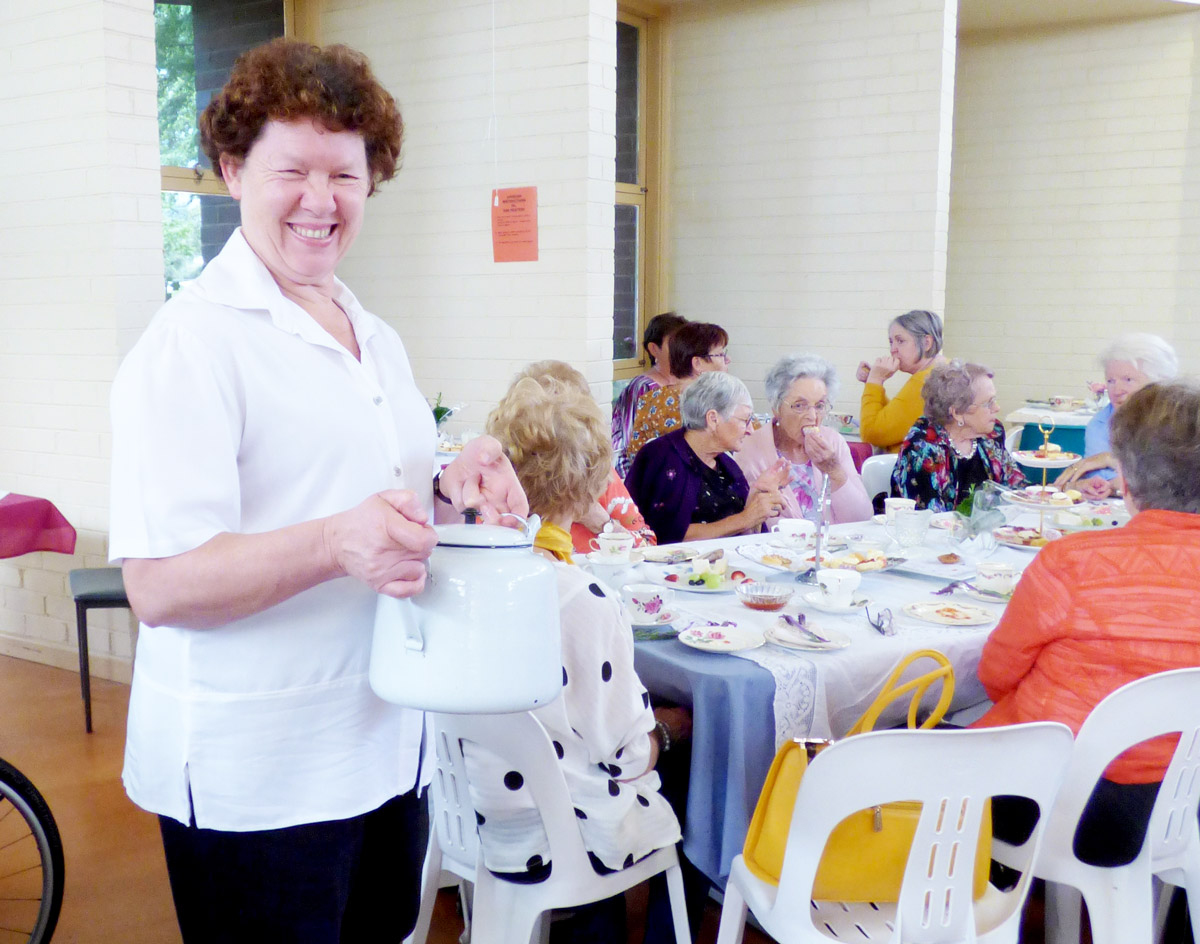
351, 881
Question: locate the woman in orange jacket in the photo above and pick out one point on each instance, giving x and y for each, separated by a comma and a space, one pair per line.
1097, 610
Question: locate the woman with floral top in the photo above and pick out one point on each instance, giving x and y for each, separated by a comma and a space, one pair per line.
656, 346
695, 349
957, 444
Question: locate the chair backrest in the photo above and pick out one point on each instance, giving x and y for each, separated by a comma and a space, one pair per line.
519, 739
1146, 708
877, 474
952, 774
1012, 439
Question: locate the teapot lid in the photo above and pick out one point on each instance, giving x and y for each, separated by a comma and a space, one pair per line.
488, 535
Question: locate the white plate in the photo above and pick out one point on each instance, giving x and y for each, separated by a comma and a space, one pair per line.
789, 561
1027, 457
813, 598
924, 562
721, 638
606, 560
1108, 522
682, 584
969, 615
942, 520
1004, 536
663, 555
1026, 500
880, 519
837, 640
985, 598
642, 622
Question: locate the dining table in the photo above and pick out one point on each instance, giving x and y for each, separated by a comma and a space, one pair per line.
746, 703
30, 524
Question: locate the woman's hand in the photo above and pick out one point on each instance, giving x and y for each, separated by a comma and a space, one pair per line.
482, 478
597, 517
819, 448
1096, 488
863, 370
775, 477
882, 369
1073, 473
760, 506
384, 542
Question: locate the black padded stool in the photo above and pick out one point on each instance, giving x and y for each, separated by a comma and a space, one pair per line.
93, 588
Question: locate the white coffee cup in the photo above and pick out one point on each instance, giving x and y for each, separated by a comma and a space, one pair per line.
893, 505
837, 586
647, 601
613, 545
794, 530
996, 577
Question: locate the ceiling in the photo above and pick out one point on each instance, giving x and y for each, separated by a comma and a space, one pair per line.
1024, 14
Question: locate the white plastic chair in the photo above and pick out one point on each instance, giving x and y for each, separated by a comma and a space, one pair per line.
877, 474
1012, 439
1120, 900
505, 912
952, 773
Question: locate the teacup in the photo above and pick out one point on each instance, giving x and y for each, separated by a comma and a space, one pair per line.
647, 601
613, 545
893, 505
837, 586
996, 577
798, 531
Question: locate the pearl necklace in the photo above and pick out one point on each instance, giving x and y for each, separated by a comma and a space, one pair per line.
964, 452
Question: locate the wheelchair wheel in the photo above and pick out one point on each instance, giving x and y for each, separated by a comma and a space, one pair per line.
31, 862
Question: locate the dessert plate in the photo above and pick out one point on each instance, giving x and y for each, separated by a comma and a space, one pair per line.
721, 638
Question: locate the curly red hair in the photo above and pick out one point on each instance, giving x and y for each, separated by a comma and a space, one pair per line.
289, 80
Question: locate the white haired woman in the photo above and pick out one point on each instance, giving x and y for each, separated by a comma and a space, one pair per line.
1131, 362
687, 485
800, 388
914, 347
957, 444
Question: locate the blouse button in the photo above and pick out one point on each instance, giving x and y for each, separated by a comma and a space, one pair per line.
377, 401
396, 471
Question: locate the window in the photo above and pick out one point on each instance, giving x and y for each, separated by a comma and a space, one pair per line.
635, 264
196, 45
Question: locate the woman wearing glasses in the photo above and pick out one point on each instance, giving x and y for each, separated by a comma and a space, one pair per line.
958, 443
685, 482
693, 349
801, 388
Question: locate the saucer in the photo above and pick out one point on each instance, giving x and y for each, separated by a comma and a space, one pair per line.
837, 640
607, 560
649, 622
813, 598
721, 638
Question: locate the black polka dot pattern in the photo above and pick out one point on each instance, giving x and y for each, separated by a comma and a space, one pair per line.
535, 862
595, 588
642, 800
628, 861
580, 814
479, 818
564, 676
620, 751
513, 780
614, 788
606, 671
646, 699
558, 749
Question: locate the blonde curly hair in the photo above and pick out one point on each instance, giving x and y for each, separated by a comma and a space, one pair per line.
558, 441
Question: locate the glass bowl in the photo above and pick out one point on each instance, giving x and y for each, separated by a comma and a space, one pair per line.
763, 596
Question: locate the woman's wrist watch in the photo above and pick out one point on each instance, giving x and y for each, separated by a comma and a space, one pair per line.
437, 489
664, 736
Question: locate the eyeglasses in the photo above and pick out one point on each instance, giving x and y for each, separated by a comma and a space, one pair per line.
882, 621
800, 407
743, 422
986, 405
722, 356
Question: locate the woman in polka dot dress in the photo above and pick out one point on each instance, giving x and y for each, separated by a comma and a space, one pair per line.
604, 731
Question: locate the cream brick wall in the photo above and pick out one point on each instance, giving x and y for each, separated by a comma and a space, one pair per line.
544, 116
809, 173
80, 270
1076, 199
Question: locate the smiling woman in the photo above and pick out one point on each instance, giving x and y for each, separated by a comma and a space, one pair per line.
272, 474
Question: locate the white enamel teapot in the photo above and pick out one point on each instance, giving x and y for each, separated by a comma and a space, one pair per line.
483, 637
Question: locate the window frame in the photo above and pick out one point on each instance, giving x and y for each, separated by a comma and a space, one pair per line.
648, 19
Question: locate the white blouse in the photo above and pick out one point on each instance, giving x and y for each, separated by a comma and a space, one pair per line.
600, 729
235, 412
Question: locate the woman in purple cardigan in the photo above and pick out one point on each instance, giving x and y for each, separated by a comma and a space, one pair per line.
687, 485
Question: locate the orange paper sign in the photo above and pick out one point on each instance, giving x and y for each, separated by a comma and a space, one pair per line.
514, 224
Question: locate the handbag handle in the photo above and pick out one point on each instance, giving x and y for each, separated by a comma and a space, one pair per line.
917, 687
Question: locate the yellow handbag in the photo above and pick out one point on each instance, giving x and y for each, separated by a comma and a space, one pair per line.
866, 853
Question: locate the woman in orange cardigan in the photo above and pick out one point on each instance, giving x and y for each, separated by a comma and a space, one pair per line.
914, 347
1097, 610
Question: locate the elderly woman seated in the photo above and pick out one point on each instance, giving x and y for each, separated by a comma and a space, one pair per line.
692, 349
957, 444
1130, 362
687, 485
1096, 610
801, 388
606, 735
914, 347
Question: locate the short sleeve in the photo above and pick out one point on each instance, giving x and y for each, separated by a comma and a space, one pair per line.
176, 425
